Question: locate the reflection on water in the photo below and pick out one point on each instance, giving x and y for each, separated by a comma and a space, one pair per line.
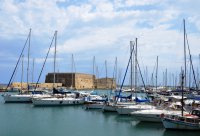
181, 133
123, 118
149, 125
25, 119
147, 128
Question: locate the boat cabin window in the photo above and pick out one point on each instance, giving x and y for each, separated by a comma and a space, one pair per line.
181, 119
190, 120
196, 112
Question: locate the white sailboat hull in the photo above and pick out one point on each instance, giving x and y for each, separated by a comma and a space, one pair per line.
17, 98
40, 96
128, 109
109, 108
176, 124
154, 115
56, 101
94, 106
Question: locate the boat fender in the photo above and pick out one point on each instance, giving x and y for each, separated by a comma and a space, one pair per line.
162, 115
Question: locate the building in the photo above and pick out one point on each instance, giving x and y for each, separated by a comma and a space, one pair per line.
23, 85
72, 80
105, 83
80, 81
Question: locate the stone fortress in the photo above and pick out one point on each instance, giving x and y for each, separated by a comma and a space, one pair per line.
81, 81
77, 81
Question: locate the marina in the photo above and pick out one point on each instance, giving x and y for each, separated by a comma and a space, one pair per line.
99, 68
26, 119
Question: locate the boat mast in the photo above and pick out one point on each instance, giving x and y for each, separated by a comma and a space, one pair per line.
173, 84
28, 60
93, 69
185, 83
33, 70
136, 64
116, 70
131, 47
163, 79
72, 71
106, 74
182, 87
183, 73
93, 65
166, 78
147, 76
152, 81
22, 71
114, 75
199, 73
156, 72
97, 74
190, 76
54, 75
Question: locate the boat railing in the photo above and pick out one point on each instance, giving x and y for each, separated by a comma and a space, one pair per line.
187, 118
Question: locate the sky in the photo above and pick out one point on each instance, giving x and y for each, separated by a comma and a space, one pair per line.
100, 28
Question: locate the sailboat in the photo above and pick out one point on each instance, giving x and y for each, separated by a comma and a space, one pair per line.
135, 106
57, 98
95, 101
21, 97
156, 114
73, 74
183, 122
112, 107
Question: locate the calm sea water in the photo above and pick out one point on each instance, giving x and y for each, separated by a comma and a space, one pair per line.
27, 120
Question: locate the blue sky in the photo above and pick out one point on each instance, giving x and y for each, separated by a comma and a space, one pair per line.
100, 28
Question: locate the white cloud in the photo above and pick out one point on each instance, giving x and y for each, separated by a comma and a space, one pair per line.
105, 25
9, 6
40, 15
196, 20
95, 38
141, 2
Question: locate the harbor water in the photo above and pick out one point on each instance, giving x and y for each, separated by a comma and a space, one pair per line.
26, 120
